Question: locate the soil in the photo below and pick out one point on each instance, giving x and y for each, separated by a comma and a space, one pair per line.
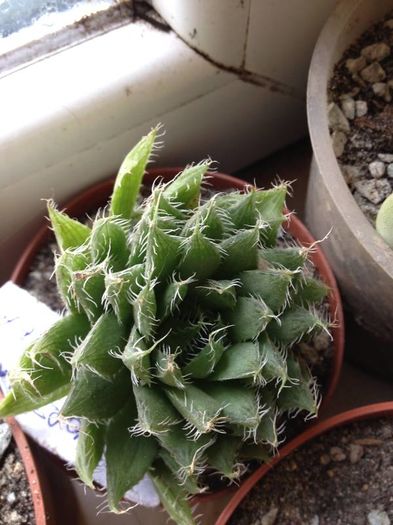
367, 135
344, 477
16, 505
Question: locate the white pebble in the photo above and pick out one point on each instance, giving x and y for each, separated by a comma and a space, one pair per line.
11, 498
374, 190
337, 119
348, 107
378, 517
376, 52
270, 517
381, 89
350, 173
339, 140
361, 108
373, 73
390, 171
377, 169
386, 157
5, 437
354, 65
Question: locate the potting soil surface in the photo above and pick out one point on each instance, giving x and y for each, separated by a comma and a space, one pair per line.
16, 506
344, 477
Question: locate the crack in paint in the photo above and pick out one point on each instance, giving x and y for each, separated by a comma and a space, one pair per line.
247, 76
246, 36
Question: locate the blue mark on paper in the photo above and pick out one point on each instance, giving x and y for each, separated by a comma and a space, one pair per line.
71, 425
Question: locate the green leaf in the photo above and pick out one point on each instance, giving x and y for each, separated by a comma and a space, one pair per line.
292, 258
270, 206
272, 285
243, 212
145, 310
162, 253
68, 262
128, 457
189, 453
172, 495
384, 221
17, 401
96, 398
310, 291
300, 392
190, 484
203, 363
129, 177
155, 412
240, 253
43, 368
89, 449
120, 290
167, 369
88, 287
108, 243
222, 456
172, 296
69, 233
240, 361
200, 410
275, 367
136, 357
201, 257
186, 187
217, 295
249, 318
294, 325
96, 352
212, 220
240, 404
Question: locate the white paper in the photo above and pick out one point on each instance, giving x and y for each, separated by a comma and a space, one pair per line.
22, 320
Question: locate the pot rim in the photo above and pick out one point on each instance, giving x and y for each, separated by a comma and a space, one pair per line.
356, 414
99, 193
317, 101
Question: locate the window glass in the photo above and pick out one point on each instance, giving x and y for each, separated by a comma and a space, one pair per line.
24, 21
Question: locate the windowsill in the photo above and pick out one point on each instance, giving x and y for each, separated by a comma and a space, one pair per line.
68, 120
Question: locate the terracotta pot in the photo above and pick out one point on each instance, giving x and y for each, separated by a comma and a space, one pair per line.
365, 412
97, 195
361, 261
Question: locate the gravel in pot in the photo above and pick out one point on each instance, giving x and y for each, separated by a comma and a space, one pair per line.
360, 116
16, 505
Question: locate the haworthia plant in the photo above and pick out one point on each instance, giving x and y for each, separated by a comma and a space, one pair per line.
177, 351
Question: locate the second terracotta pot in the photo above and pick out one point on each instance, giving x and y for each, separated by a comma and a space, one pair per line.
366, 412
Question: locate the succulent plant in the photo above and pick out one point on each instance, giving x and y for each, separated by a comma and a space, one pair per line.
177, 349
384, 222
